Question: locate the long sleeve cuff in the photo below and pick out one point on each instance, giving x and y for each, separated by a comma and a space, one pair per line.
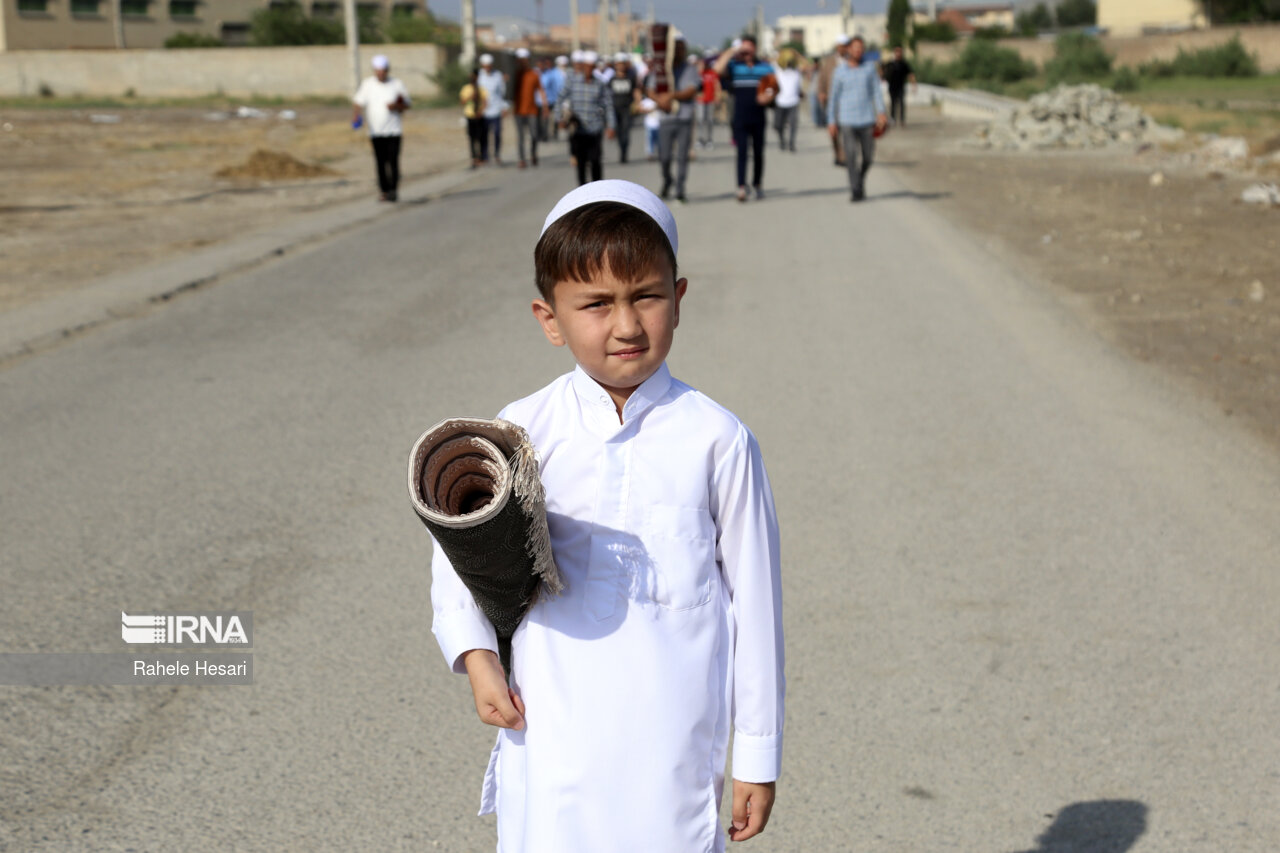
757, 758
460, 631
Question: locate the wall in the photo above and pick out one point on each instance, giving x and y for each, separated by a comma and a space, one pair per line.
283, 71
1263, 40
1130, 17
58, 28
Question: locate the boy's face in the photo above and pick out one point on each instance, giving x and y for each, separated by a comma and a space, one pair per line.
619, 332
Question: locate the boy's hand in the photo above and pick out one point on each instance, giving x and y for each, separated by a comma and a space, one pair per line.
496, 703
752, 802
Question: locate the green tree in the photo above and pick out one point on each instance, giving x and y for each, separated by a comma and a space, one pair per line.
287, 24
1241, 11
1035, 20
1077, 13
941, 31
899, 13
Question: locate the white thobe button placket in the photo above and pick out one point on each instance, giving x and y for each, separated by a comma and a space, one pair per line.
605, 578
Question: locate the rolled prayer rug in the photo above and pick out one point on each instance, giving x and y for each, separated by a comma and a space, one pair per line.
474, 483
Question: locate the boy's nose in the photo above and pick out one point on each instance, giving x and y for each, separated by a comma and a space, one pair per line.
627, 323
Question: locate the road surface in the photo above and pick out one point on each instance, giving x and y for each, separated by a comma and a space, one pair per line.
1030, 586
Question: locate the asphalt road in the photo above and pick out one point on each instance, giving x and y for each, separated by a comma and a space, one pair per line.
1031, 586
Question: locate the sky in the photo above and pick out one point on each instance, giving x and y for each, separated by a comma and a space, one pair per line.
705, 22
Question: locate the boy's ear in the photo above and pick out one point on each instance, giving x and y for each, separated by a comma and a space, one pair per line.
681, 286
545, 314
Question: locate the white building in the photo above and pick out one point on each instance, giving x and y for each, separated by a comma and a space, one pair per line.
818, 32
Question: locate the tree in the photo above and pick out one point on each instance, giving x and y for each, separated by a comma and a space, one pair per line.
1241, 11
899, 13
287, 24
1032, 21
1077, 13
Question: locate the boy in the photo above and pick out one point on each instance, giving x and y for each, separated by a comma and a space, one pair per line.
624, 688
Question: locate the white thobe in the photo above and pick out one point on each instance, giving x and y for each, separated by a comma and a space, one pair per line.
667, 636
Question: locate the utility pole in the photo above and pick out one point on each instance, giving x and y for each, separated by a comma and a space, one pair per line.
118, 7
846, 12
353, 40
468, 56
933, 10
629, 31
574, 38
759, 24
602, 28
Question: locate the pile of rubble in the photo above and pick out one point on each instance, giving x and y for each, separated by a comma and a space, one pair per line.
1073, 117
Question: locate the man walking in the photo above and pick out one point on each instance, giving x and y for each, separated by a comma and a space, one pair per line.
528, 89
855, 111
586, 109
553, 78
675, 108
742, 73
625, 92
897, 72
827, 68
379, 103
494, 84
705, 108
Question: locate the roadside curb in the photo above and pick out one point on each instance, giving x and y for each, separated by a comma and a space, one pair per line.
34, 328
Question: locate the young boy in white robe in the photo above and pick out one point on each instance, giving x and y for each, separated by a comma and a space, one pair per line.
624, 689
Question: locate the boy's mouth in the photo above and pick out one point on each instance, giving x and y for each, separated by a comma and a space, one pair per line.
630, 352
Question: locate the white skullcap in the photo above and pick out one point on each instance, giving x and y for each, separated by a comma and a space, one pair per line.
522, 53
380, 62
842, 39
590, 56
623, 192
562, 60
578, 56
621, 56
486, 59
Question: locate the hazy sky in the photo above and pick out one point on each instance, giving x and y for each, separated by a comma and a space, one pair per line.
703, 21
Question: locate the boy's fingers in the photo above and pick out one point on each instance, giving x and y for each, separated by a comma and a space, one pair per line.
751, 807
517, 701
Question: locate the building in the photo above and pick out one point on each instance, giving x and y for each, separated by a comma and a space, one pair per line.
969, 17
62, 24
508, 29
818, 32
1135, 17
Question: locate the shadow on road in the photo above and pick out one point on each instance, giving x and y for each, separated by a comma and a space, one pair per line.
1100, 826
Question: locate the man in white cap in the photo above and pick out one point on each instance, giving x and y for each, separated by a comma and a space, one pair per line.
379, 103
552, 83
494, 84
586, 109
528, 94
625, 91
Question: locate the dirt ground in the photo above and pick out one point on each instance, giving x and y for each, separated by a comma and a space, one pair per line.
88, 192
1175, 270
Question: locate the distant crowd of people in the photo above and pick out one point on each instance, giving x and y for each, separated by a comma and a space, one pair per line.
593, 99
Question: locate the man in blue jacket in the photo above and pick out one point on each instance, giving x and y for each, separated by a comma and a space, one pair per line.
855, 110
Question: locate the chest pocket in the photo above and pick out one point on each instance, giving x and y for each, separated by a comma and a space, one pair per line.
682, 556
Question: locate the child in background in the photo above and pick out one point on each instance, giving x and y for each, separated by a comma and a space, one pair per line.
652, 121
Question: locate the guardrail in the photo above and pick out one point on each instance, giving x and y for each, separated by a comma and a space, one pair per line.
966, 103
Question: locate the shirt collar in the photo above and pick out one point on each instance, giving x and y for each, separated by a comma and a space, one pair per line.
644, 396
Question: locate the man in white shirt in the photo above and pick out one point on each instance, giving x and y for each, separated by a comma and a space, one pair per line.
379, 103
494, 84
625, 688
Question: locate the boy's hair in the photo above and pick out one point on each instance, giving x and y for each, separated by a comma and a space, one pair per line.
580, 244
